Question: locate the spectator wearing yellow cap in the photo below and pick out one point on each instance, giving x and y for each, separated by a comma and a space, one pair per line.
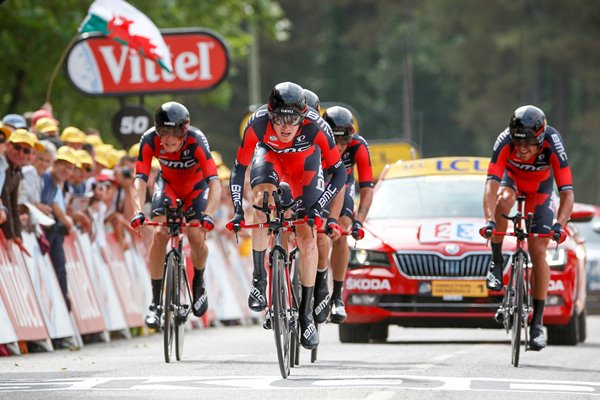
94, 140
47, 129
73, 137
19, 152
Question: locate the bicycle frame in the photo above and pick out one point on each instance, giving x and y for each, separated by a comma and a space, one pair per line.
174, 313
516, 312
284, 321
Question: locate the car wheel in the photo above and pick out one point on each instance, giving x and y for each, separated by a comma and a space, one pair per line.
379, 333
582, 328
564, 335
354, 333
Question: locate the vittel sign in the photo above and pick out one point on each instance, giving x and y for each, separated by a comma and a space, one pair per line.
99, 66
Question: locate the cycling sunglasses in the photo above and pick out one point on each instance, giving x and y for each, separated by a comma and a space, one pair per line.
283, 119
176, 131
26, 150
342, 137
526, 142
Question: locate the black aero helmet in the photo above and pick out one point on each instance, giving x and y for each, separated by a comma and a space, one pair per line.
528, 123
171, 114
340, 120
312, 99
287, 98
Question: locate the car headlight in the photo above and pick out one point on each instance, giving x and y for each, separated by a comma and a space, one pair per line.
366, 258
556, 258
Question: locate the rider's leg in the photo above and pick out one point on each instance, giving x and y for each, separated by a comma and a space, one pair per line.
156, 256
307, 244
321, 283
257, 300
340, 256
506, 199
540, 277
198, 254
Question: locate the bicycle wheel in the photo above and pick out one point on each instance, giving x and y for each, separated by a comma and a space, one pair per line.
280, 314
181, 300
519, 291
295, 328
169, 314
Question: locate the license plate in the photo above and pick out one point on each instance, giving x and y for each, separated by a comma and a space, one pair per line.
459, 288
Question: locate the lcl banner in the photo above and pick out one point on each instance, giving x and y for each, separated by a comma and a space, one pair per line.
99, 66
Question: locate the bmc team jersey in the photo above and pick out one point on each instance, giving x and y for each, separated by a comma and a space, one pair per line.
534, 177
184, 173
357, 153
292, 161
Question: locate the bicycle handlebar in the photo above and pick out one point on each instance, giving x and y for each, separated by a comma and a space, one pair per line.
534, 235
181, 224
285, 224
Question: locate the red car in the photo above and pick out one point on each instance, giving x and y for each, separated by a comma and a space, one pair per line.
423, 263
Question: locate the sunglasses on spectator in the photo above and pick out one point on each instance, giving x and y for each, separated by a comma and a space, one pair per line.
176, 131
2, 139
26, 150
282, 119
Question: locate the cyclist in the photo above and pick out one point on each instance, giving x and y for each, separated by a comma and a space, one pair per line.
287, 140
188, 172
354, 150
527, 157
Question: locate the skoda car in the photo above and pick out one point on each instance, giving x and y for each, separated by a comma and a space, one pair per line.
423, 263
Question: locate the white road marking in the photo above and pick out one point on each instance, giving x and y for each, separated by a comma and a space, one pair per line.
381, 395
386, 385
558, 388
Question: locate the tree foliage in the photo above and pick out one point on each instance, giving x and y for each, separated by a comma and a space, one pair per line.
473, 62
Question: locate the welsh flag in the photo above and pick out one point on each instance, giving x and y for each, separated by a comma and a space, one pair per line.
124, 23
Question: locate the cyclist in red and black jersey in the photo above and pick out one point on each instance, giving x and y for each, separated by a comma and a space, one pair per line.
188, 172
354, 150
527, 158
288, 139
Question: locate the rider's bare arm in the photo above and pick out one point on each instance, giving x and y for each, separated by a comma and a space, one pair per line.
138, 194
490, 195
566, 206
214, 196
366, 199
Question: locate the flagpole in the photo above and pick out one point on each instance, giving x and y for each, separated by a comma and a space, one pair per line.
58, 65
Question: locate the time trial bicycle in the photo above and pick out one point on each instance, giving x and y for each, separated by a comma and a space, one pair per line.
284, 282
175, 294
516, 307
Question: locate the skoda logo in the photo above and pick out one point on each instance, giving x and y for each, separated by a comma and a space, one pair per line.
452, 249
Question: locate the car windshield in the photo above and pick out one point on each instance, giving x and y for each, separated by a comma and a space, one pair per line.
429, 197
586, 229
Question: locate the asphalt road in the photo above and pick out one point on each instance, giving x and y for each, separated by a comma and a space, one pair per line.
240, 363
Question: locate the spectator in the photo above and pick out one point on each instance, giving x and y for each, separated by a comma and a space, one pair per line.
14, 121
44, 112
21, 145
47, 129
4, 135
52, 195
31, 183
73, 137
